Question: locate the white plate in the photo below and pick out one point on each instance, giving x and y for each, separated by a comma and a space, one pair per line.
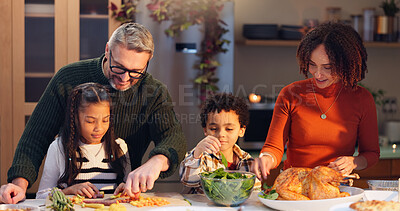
324, 204
18, 206
342, 207
185, 208
369, 195
380, 195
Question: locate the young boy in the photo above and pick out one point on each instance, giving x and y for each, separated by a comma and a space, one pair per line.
224, 118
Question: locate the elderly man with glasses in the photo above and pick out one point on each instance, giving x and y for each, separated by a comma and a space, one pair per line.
143, 112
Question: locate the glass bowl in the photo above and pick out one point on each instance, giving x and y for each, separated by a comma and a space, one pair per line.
391, 185
228, 192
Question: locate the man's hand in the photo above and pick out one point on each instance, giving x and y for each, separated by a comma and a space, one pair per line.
14, 192
143, 178
84, 189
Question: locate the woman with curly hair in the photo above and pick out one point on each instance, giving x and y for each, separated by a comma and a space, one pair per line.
86, 158
321, 120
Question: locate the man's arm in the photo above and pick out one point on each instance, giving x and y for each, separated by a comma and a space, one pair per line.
143, 177
39, 132
166, 131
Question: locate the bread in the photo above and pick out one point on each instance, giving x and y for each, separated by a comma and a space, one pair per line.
376, 205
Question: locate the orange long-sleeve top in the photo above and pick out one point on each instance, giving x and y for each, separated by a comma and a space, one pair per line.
311, 141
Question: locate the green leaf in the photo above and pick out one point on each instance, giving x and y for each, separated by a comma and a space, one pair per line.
224, 161
272, 195
266, 187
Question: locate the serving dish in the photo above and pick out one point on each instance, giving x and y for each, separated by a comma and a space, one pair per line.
391, 185
186, 208
18, 206
380, 195
231, 191
324, 204
342, 207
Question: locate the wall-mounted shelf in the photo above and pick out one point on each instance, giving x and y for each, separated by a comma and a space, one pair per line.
295, 43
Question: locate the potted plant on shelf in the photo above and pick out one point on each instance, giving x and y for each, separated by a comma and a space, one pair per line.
186, 13
390, 8
386, 30
126, 13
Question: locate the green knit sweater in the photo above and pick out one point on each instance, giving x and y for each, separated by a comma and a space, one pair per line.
142, 114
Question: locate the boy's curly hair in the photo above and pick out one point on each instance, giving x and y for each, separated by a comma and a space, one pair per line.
226, 102
344, 47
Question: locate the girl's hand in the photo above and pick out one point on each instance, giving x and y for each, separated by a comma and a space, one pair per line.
120, 188
209, 144
344, 164
86, 189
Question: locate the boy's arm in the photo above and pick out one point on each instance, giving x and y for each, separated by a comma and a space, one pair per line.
189, 170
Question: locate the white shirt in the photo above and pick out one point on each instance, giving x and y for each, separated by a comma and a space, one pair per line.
54, 165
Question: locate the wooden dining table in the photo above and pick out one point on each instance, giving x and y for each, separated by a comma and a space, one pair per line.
177, 202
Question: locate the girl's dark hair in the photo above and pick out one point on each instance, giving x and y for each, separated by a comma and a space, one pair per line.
80, 97
226, 102
344, 47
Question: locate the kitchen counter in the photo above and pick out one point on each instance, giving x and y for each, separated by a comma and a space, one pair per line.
390, 152
176, 199
253, 203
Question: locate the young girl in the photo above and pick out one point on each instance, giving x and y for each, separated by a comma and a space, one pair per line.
86, 158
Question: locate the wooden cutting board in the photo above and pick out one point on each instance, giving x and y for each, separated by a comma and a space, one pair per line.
175, 199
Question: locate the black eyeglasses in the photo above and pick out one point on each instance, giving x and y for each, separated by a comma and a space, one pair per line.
135, 74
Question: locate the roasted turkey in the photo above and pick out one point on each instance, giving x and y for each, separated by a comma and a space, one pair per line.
320, 182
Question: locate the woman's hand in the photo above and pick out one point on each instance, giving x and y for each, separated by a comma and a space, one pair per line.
344, 164
262, 166
86, 189
209, 144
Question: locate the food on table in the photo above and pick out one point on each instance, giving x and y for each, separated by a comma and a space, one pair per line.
296, 183
59, 201
96, 206
106, 202
229, 188
113, 207
99, 195
375, 205
117, 207
141, 202
113, 201
289, 184
25, 209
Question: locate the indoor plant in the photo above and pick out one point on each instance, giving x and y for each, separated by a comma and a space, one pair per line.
126, 13
185, 13
386, 30
389, 7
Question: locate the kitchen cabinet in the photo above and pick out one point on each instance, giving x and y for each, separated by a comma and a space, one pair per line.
38, 37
